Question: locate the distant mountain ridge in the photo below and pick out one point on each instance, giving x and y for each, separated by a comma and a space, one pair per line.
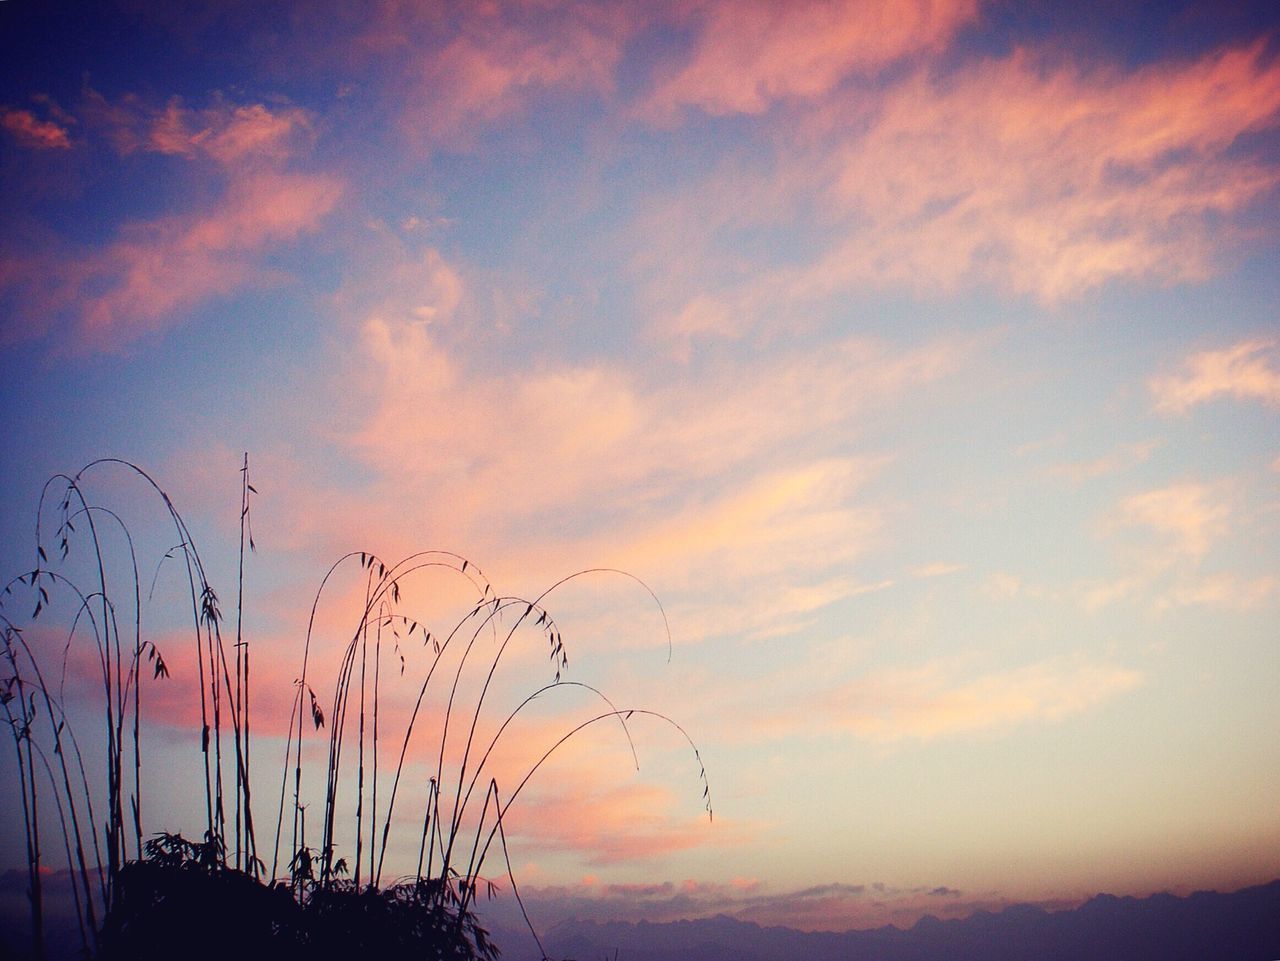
1205, 926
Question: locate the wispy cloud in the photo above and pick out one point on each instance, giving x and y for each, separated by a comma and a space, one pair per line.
141, 279
1052, 180
1168, 544
946, 698
497, 62
725, 479
1249, 370
1221, 590
936, 569
30, 131
749, 55
1190, 516
941, 699
153, 270
1035, 177
1120, 459
224, 131
625, 823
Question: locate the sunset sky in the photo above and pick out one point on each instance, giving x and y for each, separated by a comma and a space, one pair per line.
923, 357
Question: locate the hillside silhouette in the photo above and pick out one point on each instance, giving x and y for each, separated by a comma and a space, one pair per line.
1241, 926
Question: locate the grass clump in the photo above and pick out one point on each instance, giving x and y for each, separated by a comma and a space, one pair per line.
140, 894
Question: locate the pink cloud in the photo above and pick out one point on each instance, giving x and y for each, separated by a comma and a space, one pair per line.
931, 701
1221, 590
589, 419
1044, 180
499, 464
1050, 181
938, 699
761, 526
154, 270
1171, 531
1190, 516
1249, 370
936, 569
750, 55
500, 61
31, 131
1120, 459
496, 458
622, 824
225, 132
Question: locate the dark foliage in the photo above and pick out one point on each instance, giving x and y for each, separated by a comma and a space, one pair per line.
181, 902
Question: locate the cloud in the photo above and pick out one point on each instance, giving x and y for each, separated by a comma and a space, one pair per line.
726, 478
592, 427
1120, 459
1172, 532
498, 63
1190, 516
31, 131
154, 270
150, 271
623, 824
933, 701
225, 132
1249, 370
1049, 180
761, 527
1222, 590
1038, 178
936, 569
748, 56
1002, 585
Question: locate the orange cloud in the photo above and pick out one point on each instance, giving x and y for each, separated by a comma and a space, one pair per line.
1172, 531
1221, 590
930, 701
936, 569
1189, 515
750, 55
31, 131
1120, 459
628, 823
1249, 370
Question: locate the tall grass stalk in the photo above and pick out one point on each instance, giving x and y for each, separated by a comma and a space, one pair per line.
465, 808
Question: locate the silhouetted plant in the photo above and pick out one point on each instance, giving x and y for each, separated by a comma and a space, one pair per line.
163, 896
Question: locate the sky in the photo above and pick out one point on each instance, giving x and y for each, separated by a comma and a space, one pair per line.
922, 357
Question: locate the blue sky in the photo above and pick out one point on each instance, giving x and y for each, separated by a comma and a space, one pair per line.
922, 357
